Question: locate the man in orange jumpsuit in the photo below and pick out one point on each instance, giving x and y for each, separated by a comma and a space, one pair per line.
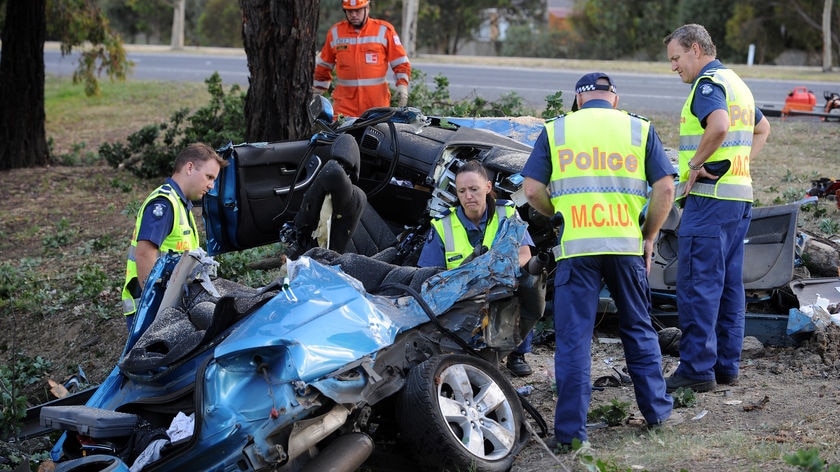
361, 50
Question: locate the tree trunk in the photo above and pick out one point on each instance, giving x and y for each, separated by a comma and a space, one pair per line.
178, 15
23, 141
279, 39
826, 27
409, 26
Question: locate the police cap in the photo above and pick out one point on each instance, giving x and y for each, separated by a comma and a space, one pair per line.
589, 82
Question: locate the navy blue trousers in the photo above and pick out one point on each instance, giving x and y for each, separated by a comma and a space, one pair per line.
577, 286
710, 286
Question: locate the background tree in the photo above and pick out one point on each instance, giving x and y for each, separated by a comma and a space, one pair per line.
158, 21
178, 18
826, 27
812, 29
23, 139
443, 28
713, 15
781, 25
25, 28
220, 24
152, 19
604, 29
753, 24
279, 40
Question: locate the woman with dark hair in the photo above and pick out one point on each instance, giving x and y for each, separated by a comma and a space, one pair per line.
473, 224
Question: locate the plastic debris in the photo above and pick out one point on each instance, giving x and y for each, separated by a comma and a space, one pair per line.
525, 390
700, 415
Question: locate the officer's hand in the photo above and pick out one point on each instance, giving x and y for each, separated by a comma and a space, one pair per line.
402, 95
648, 254
318, 91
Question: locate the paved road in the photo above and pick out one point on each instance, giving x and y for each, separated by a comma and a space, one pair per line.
642, 93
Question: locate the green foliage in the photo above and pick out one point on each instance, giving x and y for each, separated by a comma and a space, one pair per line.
121, 185
237, 266
11, 280
809, 460
613, 414
584, 454
150, 152
15, 377
654, 20
807, 35
745, 28
76, 157
20, 289
132, 208
81, 23
91, 280
61, 235
430, 101
220, 24
222, 120
829, 226
684, 398
554, 105
444, 29
818, 211
791, 194
610, 30
713, 15
26, 288
92, 246
437, 102
525, 41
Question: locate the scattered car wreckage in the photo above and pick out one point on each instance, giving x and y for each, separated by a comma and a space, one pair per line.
358, 348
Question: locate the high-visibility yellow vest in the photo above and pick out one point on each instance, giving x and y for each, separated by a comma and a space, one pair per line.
456, 243
182, 238
736, 183
600, 190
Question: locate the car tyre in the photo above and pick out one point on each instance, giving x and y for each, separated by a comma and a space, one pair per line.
460, 412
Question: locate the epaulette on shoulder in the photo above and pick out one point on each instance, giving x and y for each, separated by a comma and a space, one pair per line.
561, 115
634, 115
502, 202
444, 213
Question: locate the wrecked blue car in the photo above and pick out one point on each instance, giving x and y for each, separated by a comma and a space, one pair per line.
311, 371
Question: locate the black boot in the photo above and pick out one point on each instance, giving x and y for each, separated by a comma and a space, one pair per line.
518, 365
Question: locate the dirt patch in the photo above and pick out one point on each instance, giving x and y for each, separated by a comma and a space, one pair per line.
785, 400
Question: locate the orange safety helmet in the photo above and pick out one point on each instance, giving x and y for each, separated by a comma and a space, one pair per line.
354, 4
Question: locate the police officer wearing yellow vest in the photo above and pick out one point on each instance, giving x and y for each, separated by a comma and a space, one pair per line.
721, 130
474, 223
165, 221
592, 168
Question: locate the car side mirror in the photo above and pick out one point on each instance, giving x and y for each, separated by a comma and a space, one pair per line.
320, 113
